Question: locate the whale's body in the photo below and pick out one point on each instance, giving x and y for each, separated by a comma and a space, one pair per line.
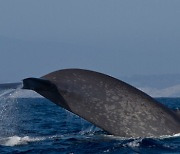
109, 103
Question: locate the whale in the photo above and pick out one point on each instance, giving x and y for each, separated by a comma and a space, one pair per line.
109, 103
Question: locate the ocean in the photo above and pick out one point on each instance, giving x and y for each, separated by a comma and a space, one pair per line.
35, 125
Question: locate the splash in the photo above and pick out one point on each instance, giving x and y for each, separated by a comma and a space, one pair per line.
169, 136
17, 92
8, 106
17, 140
9, 92
134, 143
6, 93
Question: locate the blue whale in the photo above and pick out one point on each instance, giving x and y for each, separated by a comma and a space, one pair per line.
111, 104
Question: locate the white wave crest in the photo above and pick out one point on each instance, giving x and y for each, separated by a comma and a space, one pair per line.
135, 143
169, 136
17, 140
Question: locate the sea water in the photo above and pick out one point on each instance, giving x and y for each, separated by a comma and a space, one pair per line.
35, 125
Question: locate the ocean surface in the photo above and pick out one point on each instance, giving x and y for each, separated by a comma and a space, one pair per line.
35, 125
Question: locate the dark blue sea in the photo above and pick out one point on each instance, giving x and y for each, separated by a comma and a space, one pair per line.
35, 125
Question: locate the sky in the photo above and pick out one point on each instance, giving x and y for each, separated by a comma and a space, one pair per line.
116, 37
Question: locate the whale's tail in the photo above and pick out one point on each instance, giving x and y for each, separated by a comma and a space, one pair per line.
109, 103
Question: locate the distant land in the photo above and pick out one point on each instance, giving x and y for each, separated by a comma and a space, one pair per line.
156, 85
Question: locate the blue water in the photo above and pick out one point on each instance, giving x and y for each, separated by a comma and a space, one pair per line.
35, 125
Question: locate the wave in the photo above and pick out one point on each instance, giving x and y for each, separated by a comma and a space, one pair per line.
17, 140
125, 142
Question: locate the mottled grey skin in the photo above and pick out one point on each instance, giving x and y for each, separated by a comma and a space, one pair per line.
109, 103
